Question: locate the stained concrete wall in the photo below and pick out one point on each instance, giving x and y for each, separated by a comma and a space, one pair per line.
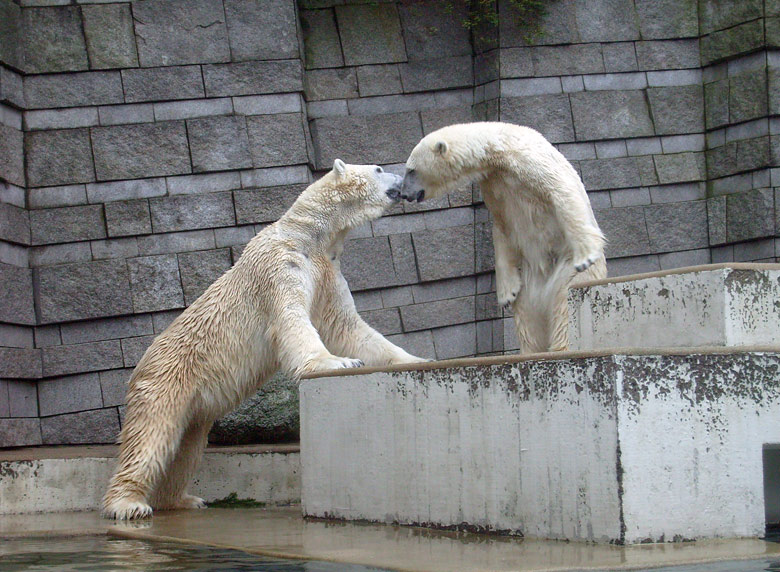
139, 153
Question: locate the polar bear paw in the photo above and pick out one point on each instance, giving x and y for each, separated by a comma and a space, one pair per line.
333, 362
189, 502
127, 509
583, 263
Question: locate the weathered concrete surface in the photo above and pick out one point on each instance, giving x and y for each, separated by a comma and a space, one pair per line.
75, 478
713, 305
608, 448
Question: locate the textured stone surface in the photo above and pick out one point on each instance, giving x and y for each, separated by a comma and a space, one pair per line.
12, 154
548, 114
219, 143
748, 96
250, 78
58, 157
606, 20
614, 173
677, 109
97, 426
69, 394
180, 82
128, 218
21, 363
438, 313
434, 30
322, 47
368, 263
680, 167
668, 19
444, 253
21, 432
442, 73
269, 416
626, 229
740, 39
109, 32
200, 269
277, 139
610, 114
750, 215
677, 226
188, 212
84, 290
67, 224
11, 48
59, 90
276, 19
670, 54
105, 329
94, 356
155, 283
339, 83
265, 205
171, 33
143, 150
113, 386
53, 40
16, 295
370, 34
133, 349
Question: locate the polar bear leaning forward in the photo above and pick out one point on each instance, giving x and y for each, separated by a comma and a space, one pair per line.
544, 231
283, 305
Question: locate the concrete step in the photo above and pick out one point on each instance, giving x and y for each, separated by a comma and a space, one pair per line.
54, 479
621, 447
713, 305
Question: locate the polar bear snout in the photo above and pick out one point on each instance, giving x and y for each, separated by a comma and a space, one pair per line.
411, 190
392, 185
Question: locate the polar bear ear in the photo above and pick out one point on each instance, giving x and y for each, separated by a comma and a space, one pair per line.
440, 147
339, 167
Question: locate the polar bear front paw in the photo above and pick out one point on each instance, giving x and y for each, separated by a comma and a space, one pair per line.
190, 502
582, 264
127, 509
333, 362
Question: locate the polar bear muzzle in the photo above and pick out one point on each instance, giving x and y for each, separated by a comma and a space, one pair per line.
412, 190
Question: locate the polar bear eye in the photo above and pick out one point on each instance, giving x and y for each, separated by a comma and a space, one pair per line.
379, 170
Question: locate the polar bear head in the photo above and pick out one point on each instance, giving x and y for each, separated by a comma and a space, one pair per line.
445, 160
350, 195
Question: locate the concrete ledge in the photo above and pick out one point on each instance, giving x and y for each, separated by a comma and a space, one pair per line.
586, 446
54, 479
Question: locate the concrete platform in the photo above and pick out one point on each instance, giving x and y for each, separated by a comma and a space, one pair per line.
282, 532
714, 305
54, 479
626, 446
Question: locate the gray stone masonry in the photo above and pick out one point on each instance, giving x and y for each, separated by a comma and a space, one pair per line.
143, 144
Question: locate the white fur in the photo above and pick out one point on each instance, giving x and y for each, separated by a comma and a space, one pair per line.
285, 304
544, 231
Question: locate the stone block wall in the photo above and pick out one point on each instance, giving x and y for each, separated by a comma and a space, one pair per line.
143, 143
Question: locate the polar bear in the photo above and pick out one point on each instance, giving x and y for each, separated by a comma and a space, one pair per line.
544, 231
284, 305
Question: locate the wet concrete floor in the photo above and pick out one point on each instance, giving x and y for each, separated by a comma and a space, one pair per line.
281, 532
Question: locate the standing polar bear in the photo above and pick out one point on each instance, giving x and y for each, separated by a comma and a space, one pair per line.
285, 304
544, 231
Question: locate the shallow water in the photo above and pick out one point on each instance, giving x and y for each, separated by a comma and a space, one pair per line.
103, 554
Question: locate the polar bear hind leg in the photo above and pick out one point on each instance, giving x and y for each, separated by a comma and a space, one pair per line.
172, 490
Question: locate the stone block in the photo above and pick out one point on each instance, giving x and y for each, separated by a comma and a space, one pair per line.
116, 248
559, 25
722, 161
162, 320
73, 90
625, 229
119, 114
189, 212
58, 157
445, 253
69, 394
386, 321
548, 114
276, 19
125, 190
716, 220
610, 114
219, 143
748, 96
199, 270
434, 30
176, 242
82, 291
171, 33
49, 197
12, 155
267, 104
265, 205
206, 183
81, 358
516, 62
333, 83
113, 386
753, 153
394, 297
21, 432
16, 337
606, 21
403, 258
741, 39
128, 218
155, 84
715, 15
61, 118
110, 38
252, 78
87, 427
275, 176
370, 34
67, 224
614, 173
142, 150
20, 363
436, 118
381, 79
155, 283
573, 59
677, 226
23, 396
677, 109
615, 81
53, 40
277, 139
16, 295
487, 68
750, 215
322, 46
632, 265
368, 263
431, 75
379, 139
106, 329
755, 250
620, 57
684, 259
14, 224
455, 341
11, 47
668, 19
416, 343
680, 167
438, 314
11, 85
60, 254
668, 54
133, 349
